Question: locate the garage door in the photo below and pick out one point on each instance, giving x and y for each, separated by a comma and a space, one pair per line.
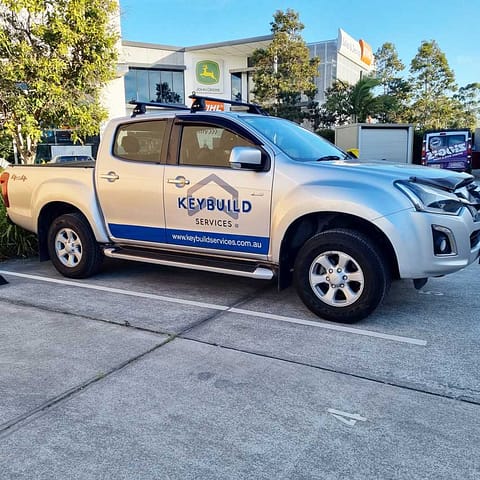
384, 144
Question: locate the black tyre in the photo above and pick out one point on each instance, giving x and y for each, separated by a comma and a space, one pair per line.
72, 246
340, 276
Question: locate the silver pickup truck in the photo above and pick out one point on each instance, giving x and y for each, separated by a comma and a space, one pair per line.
247, 194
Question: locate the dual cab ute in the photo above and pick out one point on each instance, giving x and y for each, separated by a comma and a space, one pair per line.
247, 194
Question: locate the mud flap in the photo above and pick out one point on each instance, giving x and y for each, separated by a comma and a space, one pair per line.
2, 281
418, 283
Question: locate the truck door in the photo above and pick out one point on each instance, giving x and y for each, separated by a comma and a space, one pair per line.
210, 206
129, 182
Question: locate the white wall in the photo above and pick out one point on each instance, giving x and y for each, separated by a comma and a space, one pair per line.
149, 56
113, 98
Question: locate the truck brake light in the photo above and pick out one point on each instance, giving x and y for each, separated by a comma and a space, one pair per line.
4, 184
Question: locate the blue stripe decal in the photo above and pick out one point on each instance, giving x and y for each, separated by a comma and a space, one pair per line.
136, 232
219, 241
191, 238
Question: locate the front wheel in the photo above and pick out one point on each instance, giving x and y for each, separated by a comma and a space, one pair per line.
340, 276
72, 246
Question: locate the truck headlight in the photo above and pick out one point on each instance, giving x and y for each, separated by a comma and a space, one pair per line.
430, 199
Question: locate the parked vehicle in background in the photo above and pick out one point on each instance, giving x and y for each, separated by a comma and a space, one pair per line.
72, 158
450, 149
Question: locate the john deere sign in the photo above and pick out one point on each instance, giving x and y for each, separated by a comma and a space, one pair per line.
208, 72
208, 76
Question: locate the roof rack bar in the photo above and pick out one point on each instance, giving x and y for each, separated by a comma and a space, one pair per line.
141, 107
199, 104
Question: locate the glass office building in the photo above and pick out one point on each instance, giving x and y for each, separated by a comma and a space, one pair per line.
343, 58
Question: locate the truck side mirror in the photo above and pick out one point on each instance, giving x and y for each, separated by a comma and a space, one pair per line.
247, 158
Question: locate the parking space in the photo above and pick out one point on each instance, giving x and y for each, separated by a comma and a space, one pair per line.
46, 354
144, 369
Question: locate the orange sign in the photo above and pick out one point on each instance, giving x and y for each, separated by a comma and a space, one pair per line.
366, 55
211, 106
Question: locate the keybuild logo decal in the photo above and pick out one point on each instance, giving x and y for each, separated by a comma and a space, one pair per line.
232, 205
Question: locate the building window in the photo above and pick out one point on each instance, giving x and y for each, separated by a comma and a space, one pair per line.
236, 86
154, 85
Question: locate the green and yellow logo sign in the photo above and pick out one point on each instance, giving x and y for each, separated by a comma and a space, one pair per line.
208, 72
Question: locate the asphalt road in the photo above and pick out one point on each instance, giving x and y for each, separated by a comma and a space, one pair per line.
147, 372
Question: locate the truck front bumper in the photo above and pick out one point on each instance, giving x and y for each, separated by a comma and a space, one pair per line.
430, 245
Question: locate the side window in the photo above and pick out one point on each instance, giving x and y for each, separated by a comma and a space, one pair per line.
208, 146
140, 141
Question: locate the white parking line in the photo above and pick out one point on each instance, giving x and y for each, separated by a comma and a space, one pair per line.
241, 311
120, 291
328, 326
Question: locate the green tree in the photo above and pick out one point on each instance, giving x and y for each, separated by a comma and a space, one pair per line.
362, 100
387, 66
284, 69
468, 98
6, 146
395, 90
347, 103
313, 113
432, 82
56, 56
336, 109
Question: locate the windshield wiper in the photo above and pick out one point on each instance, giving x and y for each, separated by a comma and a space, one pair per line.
329, 157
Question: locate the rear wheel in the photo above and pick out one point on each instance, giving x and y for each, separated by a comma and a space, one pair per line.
340, 276
72, 246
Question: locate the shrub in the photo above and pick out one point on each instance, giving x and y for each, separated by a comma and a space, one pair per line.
327, 133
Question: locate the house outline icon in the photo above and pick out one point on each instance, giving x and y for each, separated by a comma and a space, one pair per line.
221, 183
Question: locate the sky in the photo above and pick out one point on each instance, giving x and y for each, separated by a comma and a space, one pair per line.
454, 24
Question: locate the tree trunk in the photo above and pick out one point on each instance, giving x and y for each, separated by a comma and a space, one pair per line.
26, 148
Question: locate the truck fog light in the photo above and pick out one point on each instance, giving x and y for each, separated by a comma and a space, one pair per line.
443, 241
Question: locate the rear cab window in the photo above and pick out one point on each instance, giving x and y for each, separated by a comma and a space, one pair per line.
140, 141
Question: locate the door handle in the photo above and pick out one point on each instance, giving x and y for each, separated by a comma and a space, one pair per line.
179, 181
110, 176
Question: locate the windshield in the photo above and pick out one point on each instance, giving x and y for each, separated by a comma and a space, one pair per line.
298, 143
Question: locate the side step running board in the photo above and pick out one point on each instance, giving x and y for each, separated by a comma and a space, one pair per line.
206, 264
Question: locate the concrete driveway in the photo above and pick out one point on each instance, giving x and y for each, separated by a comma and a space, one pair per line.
147, 372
